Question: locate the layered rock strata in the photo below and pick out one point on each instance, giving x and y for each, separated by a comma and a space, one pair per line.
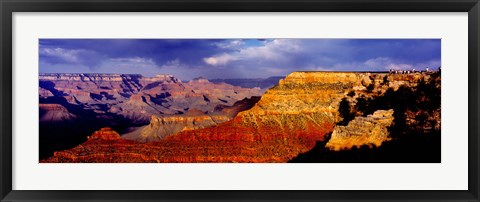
135, 97
289, 119
370, 130
163, 126
54, 113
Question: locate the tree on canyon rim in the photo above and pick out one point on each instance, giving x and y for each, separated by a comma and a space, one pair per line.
345, 113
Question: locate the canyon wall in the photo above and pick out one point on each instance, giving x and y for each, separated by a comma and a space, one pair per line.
73, 106
135, 97
289, 119
166, 125
370, 130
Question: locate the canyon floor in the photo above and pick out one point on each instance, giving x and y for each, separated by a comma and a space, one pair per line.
304, 117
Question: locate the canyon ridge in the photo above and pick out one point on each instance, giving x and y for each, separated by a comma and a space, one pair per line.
72, 106
305, 117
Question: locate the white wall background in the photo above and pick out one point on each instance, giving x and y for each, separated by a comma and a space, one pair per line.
451, 174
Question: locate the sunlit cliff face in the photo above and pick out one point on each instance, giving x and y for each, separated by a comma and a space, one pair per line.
288, 120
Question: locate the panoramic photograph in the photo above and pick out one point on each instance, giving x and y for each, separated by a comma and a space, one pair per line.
239, 100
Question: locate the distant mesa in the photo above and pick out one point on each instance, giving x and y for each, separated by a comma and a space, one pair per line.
164, 126
135, 97
55, 113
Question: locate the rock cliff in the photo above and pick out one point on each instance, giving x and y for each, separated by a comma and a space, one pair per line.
314, 96
54, 113
370, 130
75, 105
265, 83
135, 97
104, 134
163, 126
288, 120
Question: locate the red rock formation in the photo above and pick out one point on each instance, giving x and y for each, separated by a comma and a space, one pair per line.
223, 143
163, 126
104, 134
166, 125
288, 120
370, 130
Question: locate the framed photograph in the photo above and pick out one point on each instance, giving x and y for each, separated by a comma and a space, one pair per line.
239, 101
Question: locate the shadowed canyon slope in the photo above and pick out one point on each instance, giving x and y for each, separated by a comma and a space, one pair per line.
289, 119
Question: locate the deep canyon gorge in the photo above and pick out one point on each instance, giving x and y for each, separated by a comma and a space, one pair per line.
303, 117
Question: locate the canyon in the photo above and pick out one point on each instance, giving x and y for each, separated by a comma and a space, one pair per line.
166, 125
75, 105
291, 119
136, 97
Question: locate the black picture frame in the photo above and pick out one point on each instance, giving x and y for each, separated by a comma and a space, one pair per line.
8, 7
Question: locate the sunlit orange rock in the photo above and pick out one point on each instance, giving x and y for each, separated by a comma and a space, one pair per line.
370, 130
289, 119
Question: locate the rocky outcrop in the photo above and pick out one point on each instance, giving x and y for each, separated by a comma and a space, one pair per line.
54, 113
103, 146
166, 125
163, 126
44, 93
370, 130
301, 98
104, 134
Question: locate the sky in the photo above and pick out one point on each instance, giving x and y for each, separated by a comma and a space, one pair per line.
234, 58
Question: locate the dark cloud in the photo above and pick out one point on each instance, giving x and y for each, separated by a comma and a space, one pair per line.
161, 51
235, 58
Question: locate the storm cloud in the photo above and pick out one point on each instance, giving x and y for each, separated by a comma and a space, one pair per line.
234, 58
